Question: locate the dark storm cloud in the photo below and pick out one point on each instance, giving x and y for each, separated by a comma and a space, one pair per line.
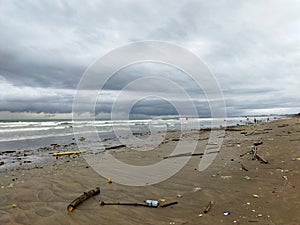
252, 47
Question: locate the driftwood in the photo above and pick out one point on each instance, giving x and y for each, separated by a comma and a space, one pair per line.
123, 203
86, 195
183, 154
188, 154
258, 143
208, 207
115, 147
68, 153
136, 204
261, 159
168, 204
255, 155
244, 168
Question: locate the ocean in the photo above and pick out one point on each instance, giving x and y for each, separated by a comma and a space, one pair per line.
37, 137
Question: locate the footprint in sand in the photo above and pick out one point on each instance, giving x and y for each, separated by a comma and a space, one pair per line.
45, 195
44, 212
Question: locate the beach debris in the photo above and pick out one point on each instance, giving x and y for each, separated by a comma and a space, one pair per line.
175, 139
225, 177
183, 154
258, 143
226, 213
179, 196
152, 203
255, 196
283, 125
162, 200
148, 203
109, 180
11, 185
244, 168
171, 204
14, 206
200, 215
208, 207
86, 195
56, 154
189, 154
102, 203
259, 215
197, 189
114, 147
81, 139
253, 151
245, 178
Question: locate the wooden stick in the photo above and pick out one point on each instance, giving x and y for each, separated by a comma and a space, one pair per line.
208, 207
114, 147
86, 195
123, 203
243, 167
183, 154
261, 159
168, 204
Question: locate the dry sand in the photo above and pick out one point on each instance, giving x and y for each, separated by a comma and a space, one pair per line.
41, 195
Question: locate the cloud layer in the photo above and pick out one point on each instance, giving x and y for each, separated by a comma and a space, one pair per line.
252, 47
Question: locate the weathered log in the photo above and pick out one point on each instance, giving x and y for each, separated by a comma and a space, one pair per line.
208, 207
86, 195
114, 147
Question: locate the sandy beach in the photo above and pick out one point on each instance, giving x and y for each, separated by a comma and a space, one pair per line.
251, 191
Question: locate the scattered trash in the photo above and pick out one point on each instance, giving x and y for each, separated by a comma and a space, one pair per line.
68, 153
86, 195
11, 185
200, 215
253, 150
245, 178
14, 206
225, 177
259, 215
82, 139
226, 213
208, 207
285, 177
152, 203
255, 196
109, 180
248, 203
162, 200
197, 189
179, 196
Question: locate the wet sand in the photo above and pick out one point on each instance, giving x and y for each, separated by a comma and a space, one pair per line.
270, 196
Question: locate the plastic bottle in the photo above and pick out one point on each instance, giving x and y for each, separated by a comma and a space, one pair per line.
152, 203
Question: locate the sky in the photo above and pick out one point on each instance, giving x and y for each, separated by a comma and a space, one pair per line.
251, 47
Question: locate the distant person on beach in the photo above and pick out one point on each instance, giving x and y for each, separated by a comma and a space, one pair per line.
254, 120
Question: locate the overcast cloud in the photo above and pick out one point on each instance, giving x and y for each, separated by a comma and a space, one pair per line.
252, 47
